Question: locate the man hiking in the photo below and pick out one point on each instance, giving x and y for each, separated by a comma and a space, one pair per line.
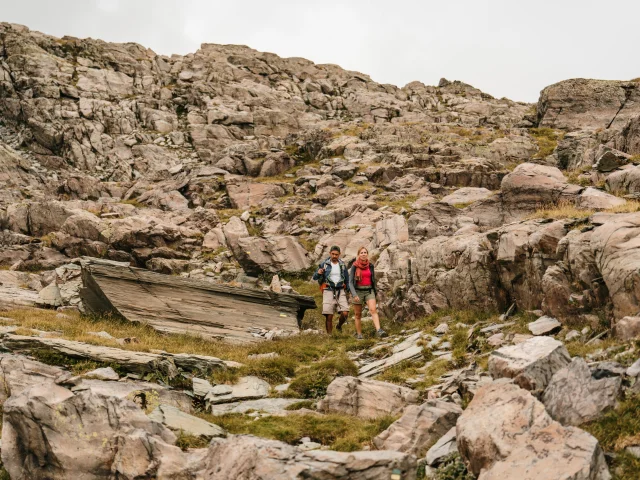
333, 277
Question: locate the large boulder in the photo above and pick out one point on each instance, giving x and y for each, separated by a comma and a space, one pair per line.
247, 195
273, 254
48, 432
616, 245
244, 457
574, 396
18, 373
467, 195
627, 328
419, 427
531, 186
598, 200
506, 433
626, 180
366, 398
530, 364
582, 104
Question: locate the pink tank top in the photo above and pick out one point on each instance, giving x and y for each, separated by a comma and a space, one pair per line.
365, 281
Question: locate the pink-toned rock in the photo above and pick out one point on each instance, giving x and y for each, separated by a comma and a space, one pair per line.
506, 433
627, 328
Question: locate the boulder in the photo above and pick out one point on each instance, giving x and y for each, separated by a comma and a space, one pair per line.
506, 433
234, 230
93, 441
274, 254
530, 364
627, 328
584, 104
574, 396
616, 247
625, 180
178, 421
366, 398
106, 373
544, 326
391, 229
442, 448
592, 198
247, 388
467, 195
244, 457
419, 427
18, 373
608, 159
247, 195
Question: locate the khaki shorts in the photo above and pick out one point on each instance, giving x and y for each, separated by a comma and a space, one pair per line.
364, 295
329, 304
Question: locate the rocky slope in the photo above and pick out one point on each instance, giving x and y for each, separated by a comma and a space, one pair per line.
232, 165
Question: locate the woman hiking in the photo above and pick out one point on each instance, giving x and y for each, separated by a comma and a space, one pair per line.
362, 285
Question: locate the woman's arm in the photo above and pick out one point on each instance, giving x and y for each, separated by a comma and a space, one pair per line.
352, 275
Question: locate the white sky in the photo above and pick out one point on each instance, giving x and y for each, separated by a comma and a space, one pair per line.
508, 48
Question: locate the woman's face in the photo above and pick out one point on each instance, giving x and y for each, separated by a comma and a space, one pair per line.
363, 255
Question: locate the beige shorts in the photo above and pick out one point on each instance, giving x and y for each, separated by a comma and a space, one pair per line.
364, 295
330, 305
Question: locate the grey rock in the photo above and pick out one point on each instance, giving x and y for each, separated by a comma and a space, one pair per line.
106, 373
544, 326
273, 406
444, 447
634, 370
530, 364
177, 421
419, 427
247, 388
574, 397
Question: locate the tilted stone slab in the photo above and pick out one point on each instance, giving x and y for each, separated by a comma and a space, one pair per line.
530, 364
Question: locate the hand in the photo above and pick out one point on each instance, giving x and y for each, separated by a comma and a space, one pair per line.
320, 271
356, 299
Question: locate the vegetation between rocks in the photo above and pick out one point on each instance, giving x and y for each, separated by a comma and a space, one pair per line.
340, 432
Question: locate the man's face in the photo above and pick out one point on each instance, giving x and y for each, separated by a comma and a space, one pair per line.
335, 255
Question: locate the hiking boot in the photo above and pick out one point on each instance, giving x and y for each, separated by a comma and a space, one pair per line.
381, 333
359, 336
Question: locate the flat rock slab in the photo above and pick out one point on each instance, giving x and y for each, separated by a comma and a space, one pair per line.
176, 420
106, 373
366, 398
574, 396
531, 364
505, 433
247, 388
544, 326
273, 406
129, 360
442, 448
147, 395
380, 366
181, 305
419, 427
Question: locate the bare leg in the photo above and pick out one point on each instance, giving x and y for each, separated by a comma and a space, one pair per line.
329, 323
342, 320
358, 318
371, 303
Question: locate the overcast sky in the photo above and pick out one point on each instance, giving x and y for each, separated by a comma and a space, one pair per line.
508, 48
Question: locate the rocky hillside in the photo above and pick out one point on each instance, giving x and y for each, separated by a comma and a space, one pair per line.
500, 230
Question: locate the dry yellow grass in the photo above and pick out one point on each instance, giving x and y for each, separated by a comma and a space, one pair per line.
569, 210
561, 211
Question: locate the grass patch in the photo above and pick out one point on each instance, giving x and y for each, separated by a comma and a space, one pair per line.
302, 404
616, 430
398, 204
4, 475
547, 140
340, 432
399, 373
309, 244
562, 210
134, 202
225, 214
312, 381
631, 206
462, 205
186, 441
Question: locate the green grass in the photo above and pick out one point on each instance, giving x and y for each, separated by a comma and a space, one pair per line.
186, 441
312, 381
547, 140
340, 432
616, 430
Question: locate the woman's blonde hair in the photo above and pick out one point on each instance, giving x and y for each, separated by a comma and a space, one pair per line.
360, 249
